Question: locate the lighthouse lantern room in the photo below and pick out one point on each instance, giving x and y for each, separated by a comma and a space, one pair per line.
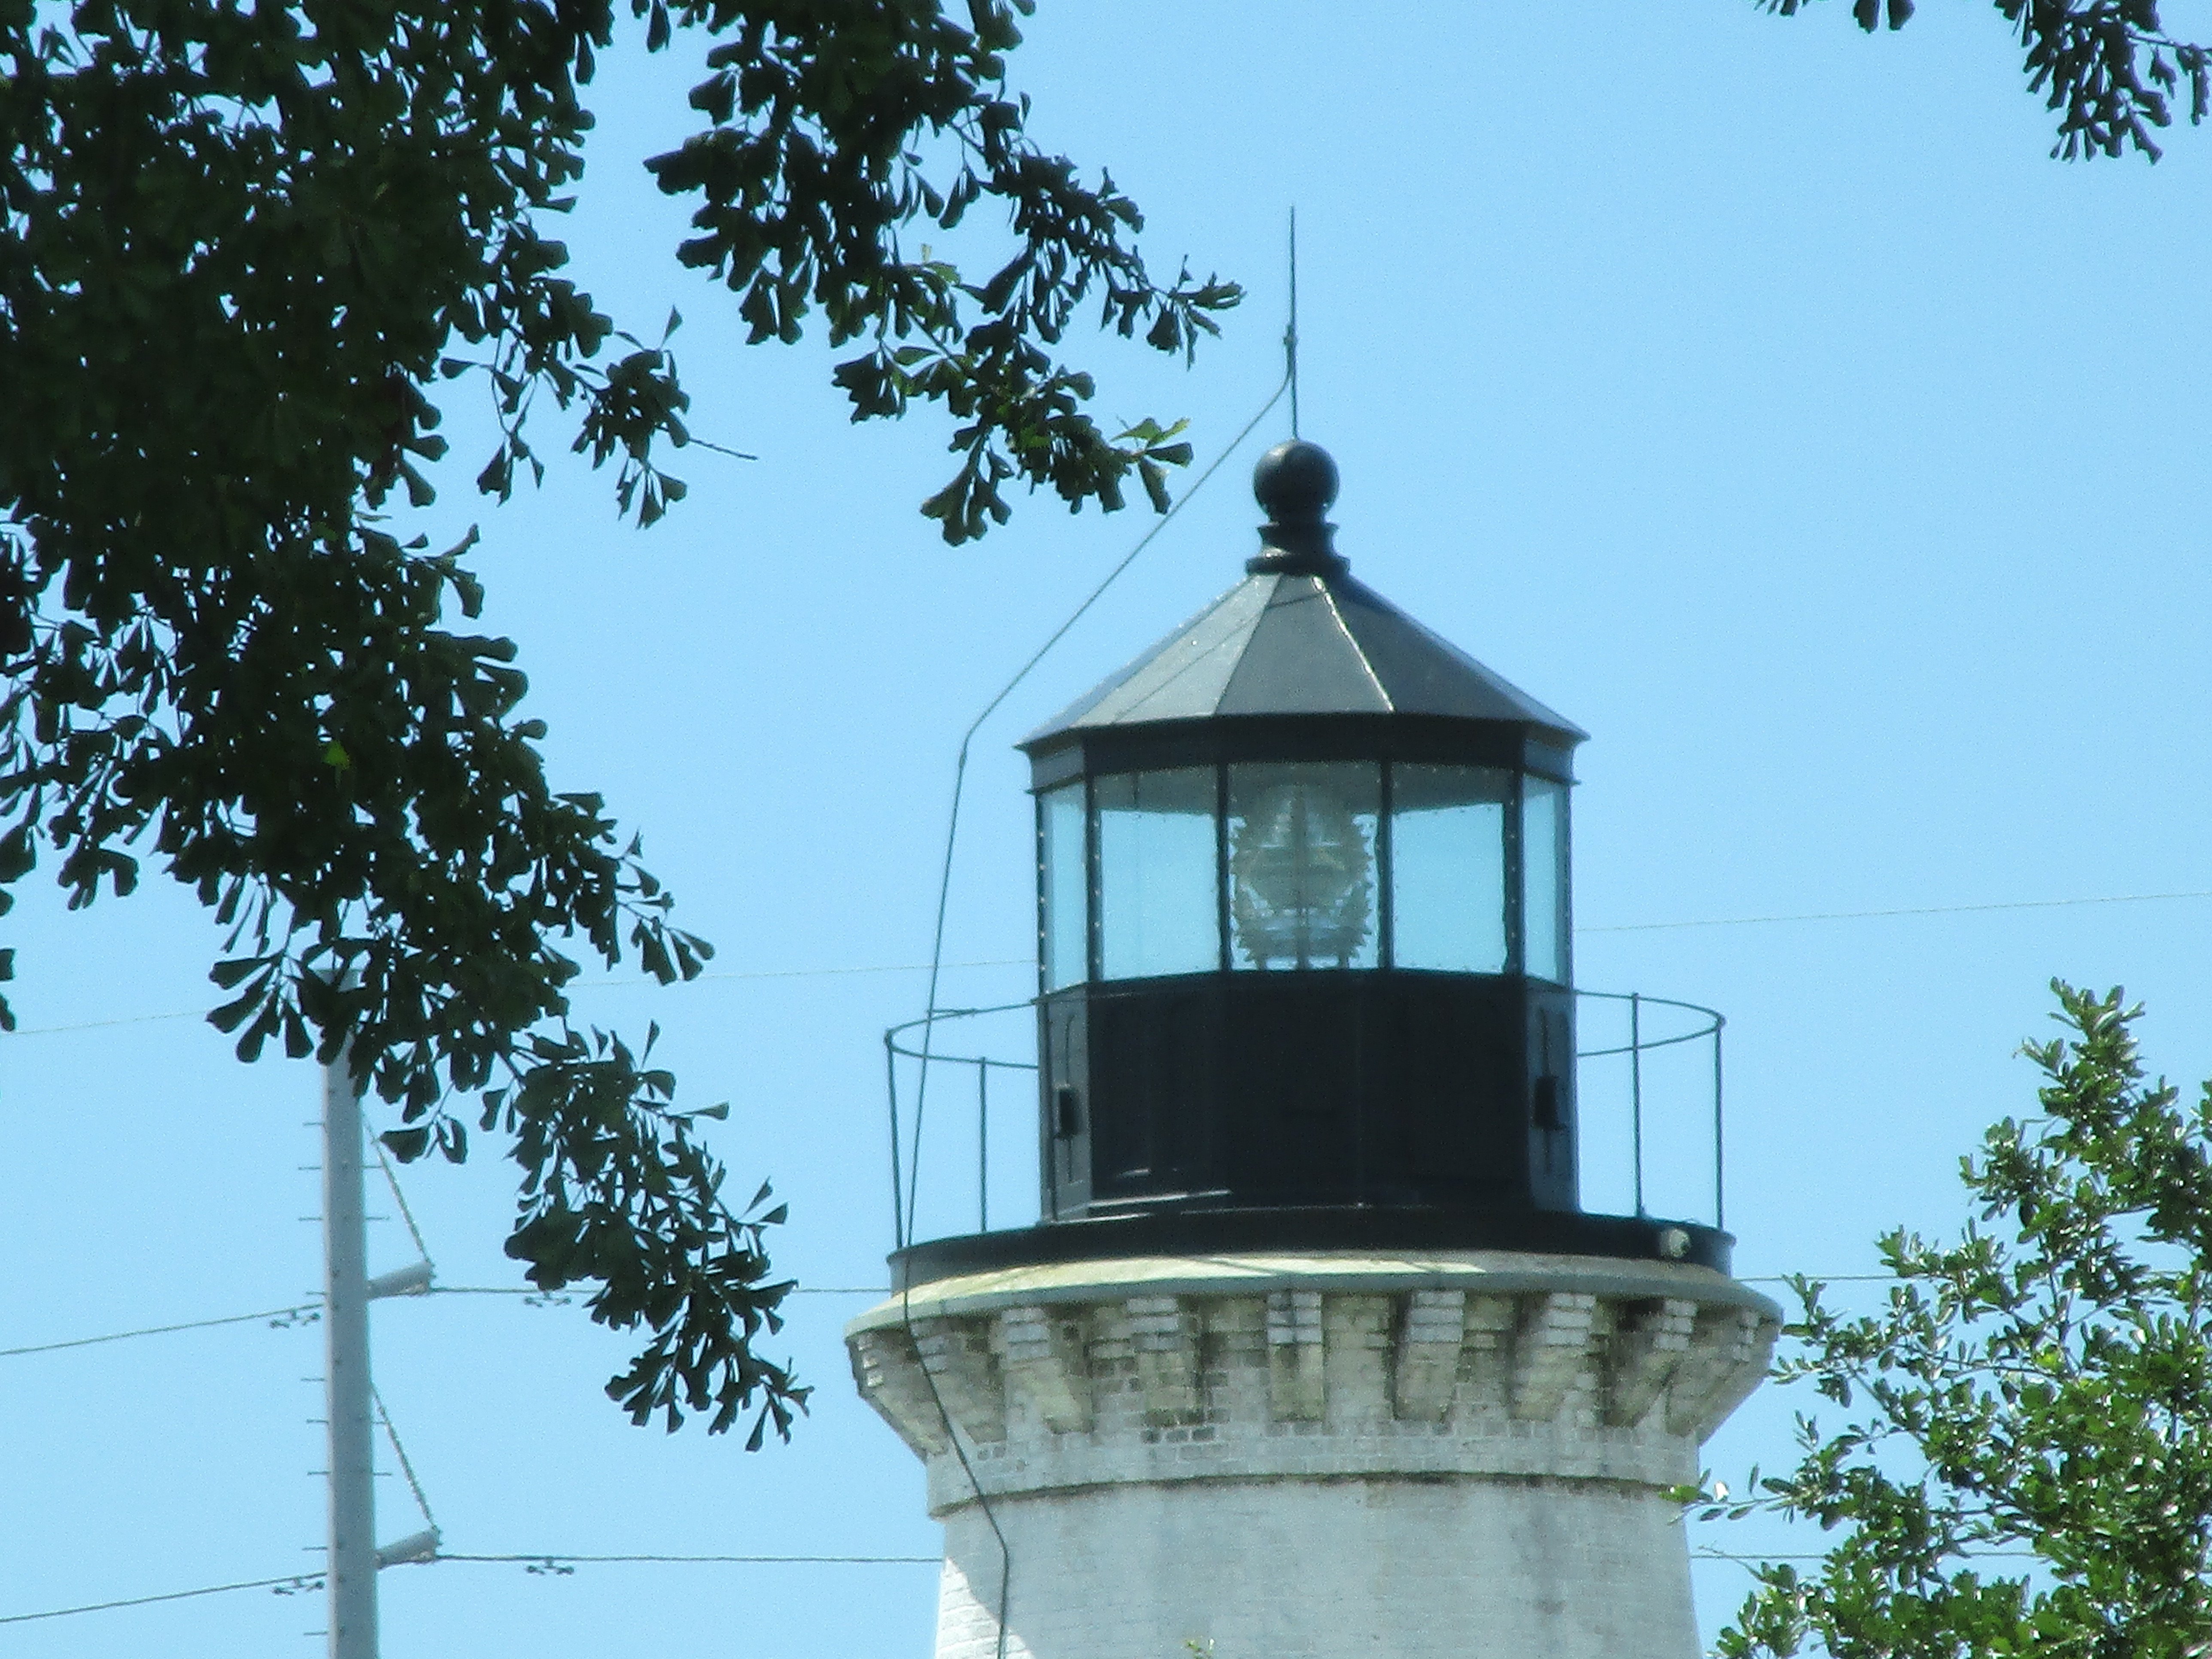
1303, 909
1313, 1350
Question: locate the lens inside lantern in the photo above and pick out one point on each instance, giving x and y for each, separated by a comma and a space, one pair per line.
1301, 866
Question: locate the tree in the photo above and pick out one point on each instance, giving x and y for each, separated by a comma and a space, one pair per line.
2028, 1468
2109, 68
242, 247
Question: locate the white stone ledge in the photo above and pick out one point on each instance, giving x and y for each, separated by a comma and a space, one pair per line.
1482, 1365
1260, 1273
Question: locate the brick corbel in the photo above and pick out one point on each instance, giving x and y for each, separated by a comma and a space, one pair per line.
1426, 1373
1728, 1357
1297, 1384
1649, 1342
955, 1354
1163, 1339
890, 1377
1549, 1350
1045, 1365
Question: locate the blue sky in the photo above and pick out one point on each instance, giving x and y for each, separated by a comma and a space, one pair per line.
1754, 393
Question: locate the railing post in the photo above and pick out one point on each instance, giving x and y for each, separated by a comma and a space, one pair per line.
1720, 1171
1636, 1088
898, 1190
982, 1146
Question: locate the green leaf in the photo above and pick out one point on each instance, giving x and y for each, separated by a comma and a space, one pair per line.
228, 975
309, 231
17, 855
1155, 479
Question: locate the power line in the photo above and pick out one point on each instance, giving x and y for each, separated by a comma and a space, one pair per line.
298, 1583
391, 1180
278, 1318
1756, 1557
524, 1290
1920, 911
282, 1318
704, 1560
1025, 961
936, 962
580, 985
406, 1467
812, 973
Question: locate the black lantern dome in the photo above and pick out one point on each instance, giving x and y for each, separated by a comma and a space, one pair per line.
1300, 638
1305, 936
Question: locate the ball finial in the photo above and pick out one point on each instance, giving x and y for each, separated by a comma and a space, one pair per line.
1295, 482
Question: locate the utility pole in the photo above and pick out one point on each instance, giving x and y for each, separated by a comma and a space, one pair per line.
353, 1561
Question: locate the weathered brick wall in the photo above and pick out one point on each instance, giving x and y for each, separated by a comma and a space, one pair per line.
1323, 1455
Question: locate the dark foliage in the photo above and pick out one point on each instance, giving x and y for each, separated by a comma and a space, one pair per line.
2109, 68
241, 248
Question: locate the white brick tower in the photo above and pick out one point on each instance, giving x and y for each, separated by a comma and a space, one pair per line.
1314, 1353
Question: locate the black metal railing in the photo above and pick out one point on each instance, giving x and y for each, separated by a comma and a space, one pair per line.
1670, 1080
906, 1171
1685, 1095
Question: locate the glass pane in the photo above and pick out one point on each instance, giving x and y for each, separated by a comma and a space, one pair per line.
1448, 867
1063, 884
1544, 878
1157, 910
1302, 864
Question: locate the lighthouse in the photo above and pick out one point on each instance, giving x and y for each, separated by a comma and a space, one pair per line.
1313, 1351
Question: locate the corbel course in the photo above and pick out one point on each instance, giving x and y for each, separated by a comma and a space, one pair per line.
1045, 1365
1297, 1387
1424, 1373
1649, 1342
1548, 1351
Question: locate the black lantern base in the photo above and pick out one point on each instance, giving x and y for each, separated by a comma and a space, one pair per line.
1198, 1233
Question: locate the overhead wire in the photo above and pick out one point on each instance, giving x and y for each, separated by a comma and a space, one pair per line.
406, 1466
526, 1292
296, 1583
406, 1214
968, 738
295, 1314
283, 1316
278, 1318
524, 1559
305, 1312
638, 981
1916, 910
302, 1583
901, 1223
1025, 961
1754, 1558
301, 1313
